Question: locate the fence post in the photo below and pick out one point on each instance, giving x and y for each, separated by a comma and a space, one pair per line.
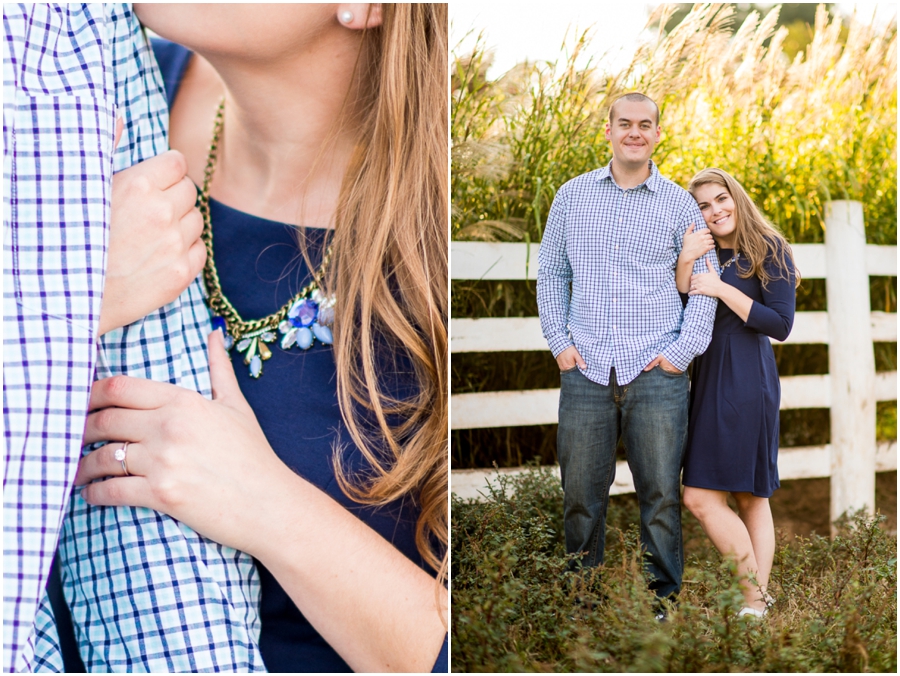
851, 359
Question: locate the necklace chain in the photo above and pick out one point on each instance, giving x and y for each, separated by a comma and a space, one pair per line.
249, 335
731, 260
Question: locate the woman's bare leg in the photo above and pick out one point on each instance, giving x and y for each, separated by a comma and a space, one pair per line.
757, 517
729, 535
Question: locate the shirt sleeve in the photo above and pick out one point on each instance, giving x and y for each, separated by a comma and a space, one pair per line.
700, 312
774, 317
147, 593
554, 277
59, 123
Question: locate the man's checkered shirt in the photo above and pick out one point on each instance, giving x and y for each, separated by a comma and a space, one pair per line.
146, 593
606, 275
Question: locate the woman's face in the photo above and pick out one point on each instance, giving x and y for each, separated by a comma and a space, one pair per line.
717, 207
249, 31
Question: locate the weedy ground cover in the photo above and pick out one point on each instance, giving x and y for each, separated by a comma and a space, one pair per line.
515, 608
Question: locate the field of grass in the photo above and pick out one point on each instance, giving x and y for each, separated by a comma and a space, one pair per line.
515, 608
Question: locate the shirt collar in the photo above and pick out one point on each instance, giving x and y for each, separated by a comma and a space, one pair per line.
652, 179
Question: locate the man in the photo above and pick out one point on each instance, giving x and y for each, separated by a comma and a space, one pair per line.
613, 319
146, 593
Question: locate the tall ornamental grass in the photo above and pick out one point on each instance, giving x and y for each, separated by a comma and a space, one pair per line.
796, 133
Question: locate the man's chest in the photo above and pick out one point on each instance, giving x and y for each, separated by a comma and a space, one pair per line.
628, 230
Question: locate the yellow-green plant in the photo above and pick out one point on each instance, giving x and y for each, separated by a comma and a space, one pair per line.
795, 132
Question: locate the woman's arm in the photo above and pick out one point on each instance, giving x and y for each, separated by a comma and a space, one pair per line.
709, 284
208, 464
373, 605
774, 317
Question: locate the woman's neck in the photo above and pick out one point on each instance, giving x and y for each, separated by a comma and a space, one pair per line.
725, 242
286, 140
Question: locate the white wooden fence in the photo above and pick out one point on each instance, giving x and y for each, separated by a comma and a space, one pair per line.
850, 389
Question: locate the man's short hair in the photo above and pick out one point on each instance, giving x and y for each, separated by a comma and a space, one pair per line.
635, 97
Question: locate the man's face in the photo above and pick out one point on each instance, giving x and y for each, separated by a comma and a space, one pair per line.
633, 133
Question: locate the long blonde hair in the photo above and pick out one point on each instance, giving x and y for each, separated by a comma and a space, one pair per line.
755, 237
389, 271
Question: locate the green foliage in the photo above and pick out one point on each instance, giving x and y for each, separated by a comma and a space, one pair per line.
515, 608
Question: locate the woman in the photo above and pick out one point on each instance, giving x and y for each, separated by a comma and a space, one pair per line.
328, 465
735, 392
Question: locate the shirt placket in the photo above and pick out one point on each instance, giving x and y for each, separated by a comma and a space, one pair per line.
614, 312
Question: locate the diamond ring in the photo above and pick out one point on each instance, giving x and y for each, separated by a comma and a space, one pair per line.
120, 456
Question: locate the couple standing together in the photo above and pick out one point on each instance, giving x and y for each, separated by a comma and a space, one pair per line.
638, 277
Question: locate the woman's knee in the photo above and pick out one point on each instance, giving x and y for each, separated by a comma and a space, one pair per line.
747, 502
700, 501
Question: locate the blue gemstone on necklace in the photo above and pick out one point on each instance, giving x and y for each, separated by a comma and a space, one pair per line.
323, 333
304, 338
303, 313
255, 366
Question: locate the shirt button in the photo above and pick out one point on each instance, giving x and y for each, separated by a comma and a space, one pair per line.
614, 327
614, 300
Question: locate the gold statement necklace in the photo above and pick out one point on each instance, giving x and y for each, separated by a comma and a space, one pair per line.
731, 260
305, 318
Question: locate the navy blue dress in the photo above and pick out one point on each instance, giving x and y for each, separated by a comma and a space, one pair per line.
735, 391
295, 401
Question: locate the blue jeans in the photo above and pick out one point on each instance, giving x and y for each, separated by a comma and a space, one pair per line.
651, 414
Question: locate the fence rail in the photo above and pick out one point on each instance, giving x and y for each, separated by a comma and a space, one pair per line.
851, 388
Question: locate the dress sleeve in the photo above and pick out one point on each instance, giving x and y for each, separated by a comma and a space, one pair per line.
774, 316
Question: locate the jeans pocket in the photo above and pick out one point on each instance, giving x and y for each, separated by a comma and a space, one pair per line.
669, 373
574, 368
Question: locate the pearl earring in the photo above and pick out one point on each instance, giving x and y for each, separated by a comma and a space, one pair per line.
346, 17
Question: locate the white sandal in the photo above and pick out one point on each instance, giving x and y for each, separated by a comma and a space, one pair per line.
752, 612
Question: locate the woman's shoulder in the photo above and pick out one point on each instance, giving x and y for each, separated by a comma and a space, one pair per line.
779, 254
778, 263
173, 60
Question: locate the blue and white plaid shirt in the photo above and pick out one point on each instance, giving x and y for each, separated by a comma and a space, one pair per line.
146, 593
606, 275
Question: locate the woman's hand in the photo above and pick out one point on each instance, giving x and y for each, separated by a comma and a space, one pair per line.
696, 244
206, 463
155, 250
707, 284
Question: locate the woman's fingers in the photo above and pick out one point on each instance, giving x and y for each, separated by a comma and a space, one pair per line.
127, 392
102, 462
120, 424
196, 257
130, 490
710, 266
183, 195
